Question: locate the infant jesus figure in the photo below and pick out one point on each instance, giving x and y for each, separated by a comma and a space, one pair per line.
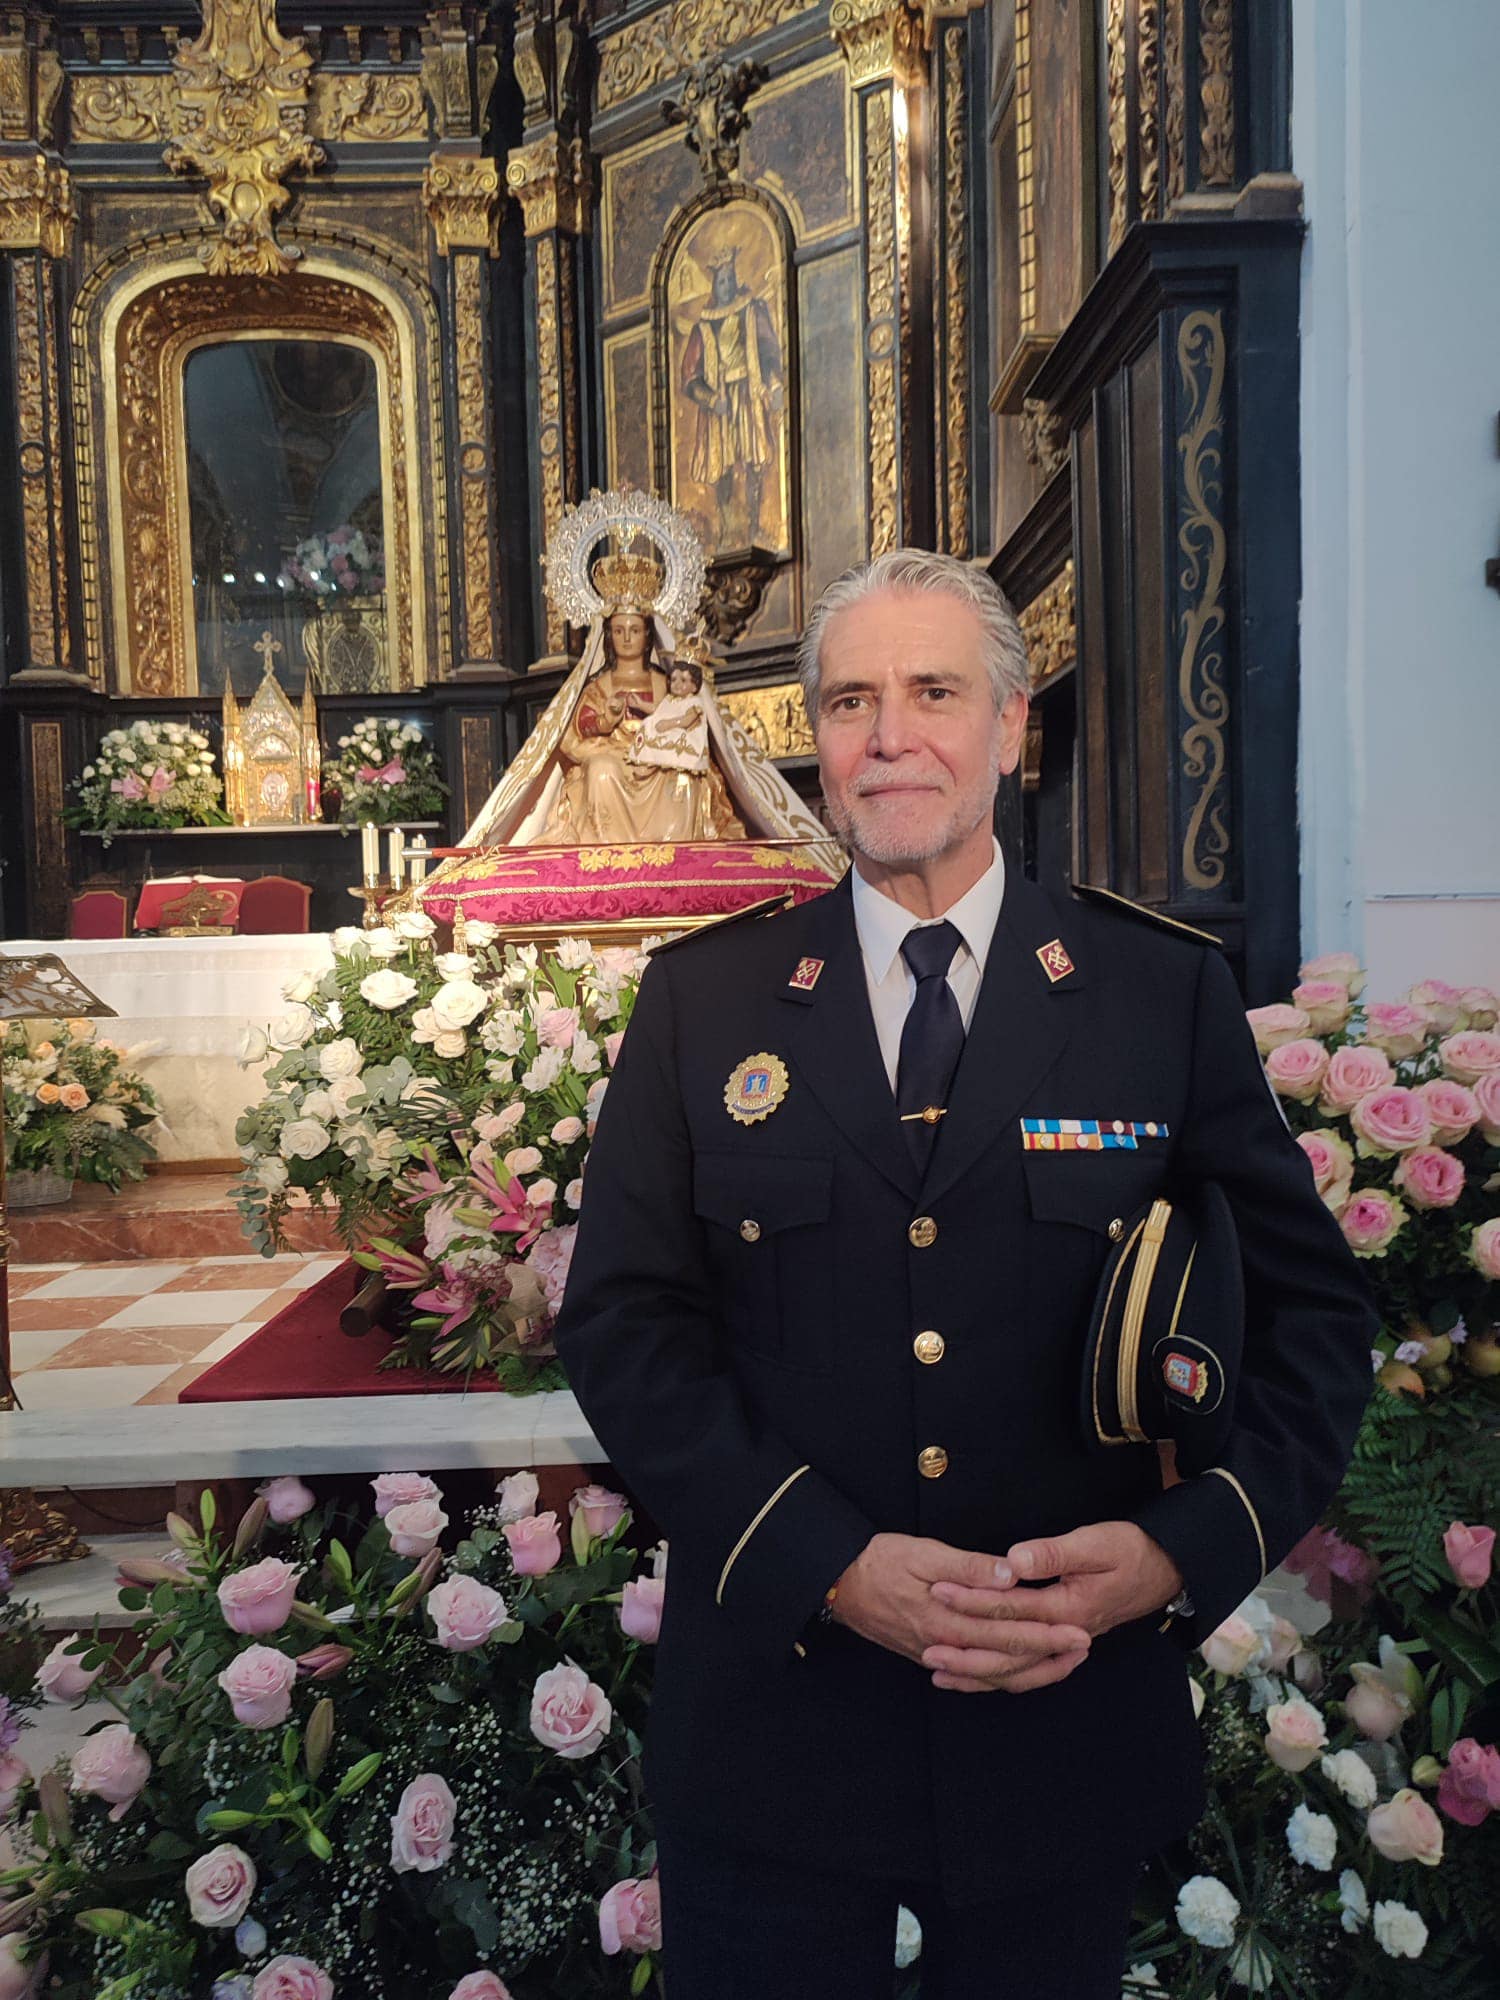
674, 736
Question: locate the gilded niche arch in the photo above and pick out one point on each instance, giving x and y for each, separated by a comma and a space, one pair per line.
724, 415
136, 325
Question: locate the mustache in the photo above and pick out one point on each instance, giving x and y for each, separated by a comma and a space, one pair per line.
871, 786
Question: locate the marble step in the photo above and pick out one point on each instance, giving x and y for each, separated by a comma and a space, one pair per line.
166, 1215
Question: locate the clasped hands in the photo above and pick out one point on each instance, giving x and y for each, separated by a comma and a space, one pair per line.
960, 1613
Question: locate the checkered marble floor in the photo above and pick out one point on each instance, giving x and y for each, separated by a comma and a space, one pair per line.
101, 1336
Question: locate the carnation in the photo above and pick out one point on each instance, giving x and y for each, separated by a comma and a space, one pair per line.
1399, 1931
1312, 1838
1348, 1772
1207, 1911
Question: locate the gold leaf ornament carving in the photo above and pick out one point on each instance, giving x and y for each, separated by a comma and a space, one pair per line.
366, 107
550, 180
1049, 625
36, 204
461, 193
653, 50
1201, 668
1216, 93
774, 718
1175, 116
881, 42
1117, 120
475, 487
952, 414
133, 109
1148, 124
238, 116
880, 320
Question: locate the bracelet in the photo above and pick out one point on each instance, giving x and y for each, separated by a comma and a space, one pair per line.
825, 1609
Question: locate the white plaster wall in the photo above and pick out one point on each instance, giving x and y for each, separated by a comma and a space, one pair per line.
1396, 139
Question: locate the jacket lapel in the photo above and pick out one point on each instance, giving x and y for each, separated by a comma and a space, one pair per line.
1019, 1030
833, 1041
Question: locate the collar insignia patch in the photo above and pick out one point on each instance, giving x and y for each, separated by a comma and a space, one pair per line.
1055, 960
755, 1088
805, 978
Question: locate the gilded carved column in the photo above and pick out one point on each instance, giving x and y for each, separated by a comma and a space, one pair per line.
882, 45
462, 193
36, 217
549, 179
952, 387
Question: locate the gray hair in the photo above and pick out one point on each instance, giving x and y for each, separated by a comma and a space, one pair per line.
1002, 643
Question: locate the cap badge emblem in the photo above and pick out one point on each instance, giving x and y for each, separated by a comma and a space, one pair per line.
755, 1088
1185, 1376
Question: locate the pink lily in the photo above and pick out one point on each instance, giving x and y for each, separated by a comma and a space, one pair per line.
129, 787
514, 1214
452, 1296
401, 1269
425, 1179
161, 781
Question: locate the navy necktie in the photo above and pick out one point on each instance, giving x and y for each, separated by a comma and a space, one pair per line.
932, 1038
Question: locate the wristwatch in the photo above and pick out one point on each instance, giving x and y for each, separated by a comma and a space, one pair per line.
1181, 1605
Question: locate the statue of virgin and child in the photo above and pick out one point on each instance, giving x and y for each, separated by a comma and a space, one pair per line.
635, 747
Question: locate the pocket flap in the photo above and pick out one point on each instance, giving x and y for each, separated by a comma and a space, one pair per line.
777, 1194
1090, 1190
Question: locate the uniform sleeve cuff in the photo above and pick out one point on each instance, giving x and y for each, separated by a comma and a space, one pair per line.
801, 1540
1208, 1526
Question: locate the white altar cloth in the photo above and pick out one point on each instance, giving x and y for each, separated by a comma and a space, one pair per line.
192, 997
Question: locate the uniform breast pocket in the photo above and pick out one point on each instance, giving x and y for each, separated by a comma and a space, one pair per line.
766, 1224
1092, 1191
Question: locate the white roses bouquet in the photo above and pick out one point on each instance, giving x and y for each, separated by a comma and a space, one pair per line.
444, 1102
385, 772
151, 774
345, 560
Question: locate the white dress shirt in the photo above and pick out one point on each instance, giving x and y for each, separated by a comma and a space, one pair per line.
882, 925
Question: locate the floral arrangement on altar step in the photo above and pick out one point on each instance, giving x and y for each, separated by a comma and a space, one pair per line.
342, 1762
151, 774
345, 560
385, 772
1351, 1705
71, 1107
444, 1102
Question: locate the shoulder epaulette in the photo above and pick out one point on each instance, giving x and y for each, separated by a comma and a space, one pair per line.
771, 906
1146, 913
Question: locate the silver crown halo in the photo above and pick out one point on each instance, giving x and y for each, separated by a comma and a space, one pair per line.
624, 515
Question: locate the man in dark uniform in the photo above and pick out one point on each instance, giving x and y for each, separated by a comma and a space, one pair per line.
826, 1312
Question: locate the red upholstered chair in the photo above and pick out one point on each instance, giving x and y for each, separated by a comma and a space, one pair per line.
273, 903
97, 913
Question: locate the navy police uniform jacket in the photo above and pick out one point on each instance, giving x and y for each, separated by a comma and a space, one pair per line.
749, 1327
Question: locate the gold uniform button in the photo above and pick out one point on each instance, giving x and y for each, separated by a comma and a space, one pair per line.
922, 1234
928, 1346
932, 1462
1116, 1230
750, 1230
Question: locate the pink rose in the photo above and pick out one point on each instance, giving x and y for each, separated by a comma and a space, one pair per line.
288, 1978
287, 1499
523, 1160
1353, 1072
1486, 1101
259, 1684
1442, 1004
62, 1676
464, 1613
1325, 1002
1391, 1121
640, 1609
259, 1599
1471, 1055
1285, 1644
1454, 1111
1340, 965
1406, 1828
552, 1258
480, 1986
517, 1496
1470, 1552
15, 1773
1469, 1789
1393, 1026
1296, 1069
1376, 1709
556, 1027
1481, 1007
111, 1765
601, 1509
1484, 1248
220, 1885
1430, 1178
1332, 1161
612, 1046
1295, 1734
535, 1544
422, 1826
1231, 1646
415, 1527
20, 1978
630, 1917
1371, 1222
1272, 1026
566, 1130
398, 1489
569, 1713
494, 1126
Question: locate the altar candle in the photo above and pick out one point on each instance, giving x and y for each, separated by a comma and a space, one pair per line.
396, 857
417, 861
369, 851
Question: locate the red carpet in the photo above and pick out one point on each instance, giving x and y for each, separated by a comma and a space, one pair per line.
303, 1353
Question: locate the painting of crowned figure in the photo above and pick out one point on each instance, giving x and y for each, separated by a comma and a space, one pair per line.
728, 404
